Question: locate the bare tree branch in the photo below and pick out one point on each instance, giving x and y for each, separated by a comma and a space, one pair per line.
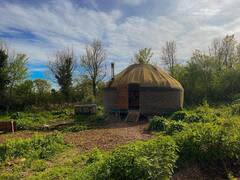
93, 63
169, 55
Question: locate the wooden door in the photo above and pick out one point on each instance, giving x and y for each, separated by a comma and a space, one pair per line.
133, 96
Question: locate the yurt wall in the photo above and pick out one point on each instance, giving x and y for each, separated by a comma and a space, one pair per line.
158, 100
122, 97
110, 98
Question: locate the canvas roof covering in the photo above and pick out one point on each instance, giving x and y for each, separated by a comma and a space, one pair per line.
145, 75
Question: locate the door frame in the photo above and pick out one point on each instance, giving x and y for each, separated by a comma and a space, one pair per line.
133, 88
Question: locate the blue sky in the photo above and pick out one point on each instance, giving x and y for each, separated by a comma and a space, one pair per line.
40, 28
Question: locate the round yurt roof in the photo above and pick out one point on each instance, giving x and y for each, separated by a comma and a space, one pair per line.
146, 75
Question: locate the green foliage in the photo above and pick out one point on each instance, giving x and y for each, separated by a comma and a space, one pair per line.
61, 113
95, 156
157, 123
54, 173
95, 119
62, 69
36, 120
209, 144
38, 147
180, 115
174, 126
200, 114
9, 176
143, 56
38, 165
17, 70
235, 109
166, 125
4, 77
153, 159
75, 128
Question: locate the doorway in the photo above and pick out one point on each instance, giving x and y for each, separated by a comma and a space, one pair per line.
133, 96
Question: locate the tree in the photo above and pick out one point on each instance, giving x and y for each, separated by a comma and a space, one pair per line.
17, 70
169, 55
93, 63
42, 90
41, 86
25, 93
143, 56
4, 77
83, 90
62, 68
228, 48
225, 51
238, 54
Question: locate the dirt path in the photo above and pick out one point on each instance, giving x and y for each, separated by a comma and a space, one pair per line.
106, 138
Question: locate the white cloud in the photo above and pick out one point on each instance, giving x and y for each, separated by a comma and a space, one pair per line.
59, 24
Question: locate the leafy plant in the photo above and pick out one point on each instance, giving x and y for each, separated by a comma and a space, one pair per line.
235, 109
38, 147
174, 126
157, 123
154, 159
209, 144
168, 126
75, 128
38, 165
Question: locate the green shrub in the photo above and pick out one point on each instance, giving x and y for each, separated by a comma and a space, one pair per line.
9, 176
75, 128
174, 126
169, 126
16, 115
95, 156
235, 109
157, 123
61, 113
209, 144
38, 147
36, 120
38, 165
198, 115
55, 173
187, 116
179, 115
153, 159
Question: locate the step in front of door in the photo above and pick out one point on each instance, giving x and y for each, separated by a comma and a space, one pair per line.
133, 116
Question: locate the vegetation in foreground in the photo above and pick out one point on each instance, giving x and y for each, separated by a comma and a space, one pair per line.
204, 136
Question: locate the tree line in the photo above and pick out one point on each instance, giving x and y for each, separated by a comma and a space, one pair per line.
213, 76
17, 91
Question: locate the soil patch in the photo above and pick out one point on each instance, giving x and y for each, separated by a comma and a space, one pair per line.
105, 137
109, 136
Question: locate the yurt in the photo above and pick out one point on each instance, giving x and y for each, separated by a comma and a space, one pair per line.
143, 88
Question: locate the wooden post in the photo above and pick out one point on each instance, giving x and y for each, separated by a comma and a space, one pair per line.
12, 126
